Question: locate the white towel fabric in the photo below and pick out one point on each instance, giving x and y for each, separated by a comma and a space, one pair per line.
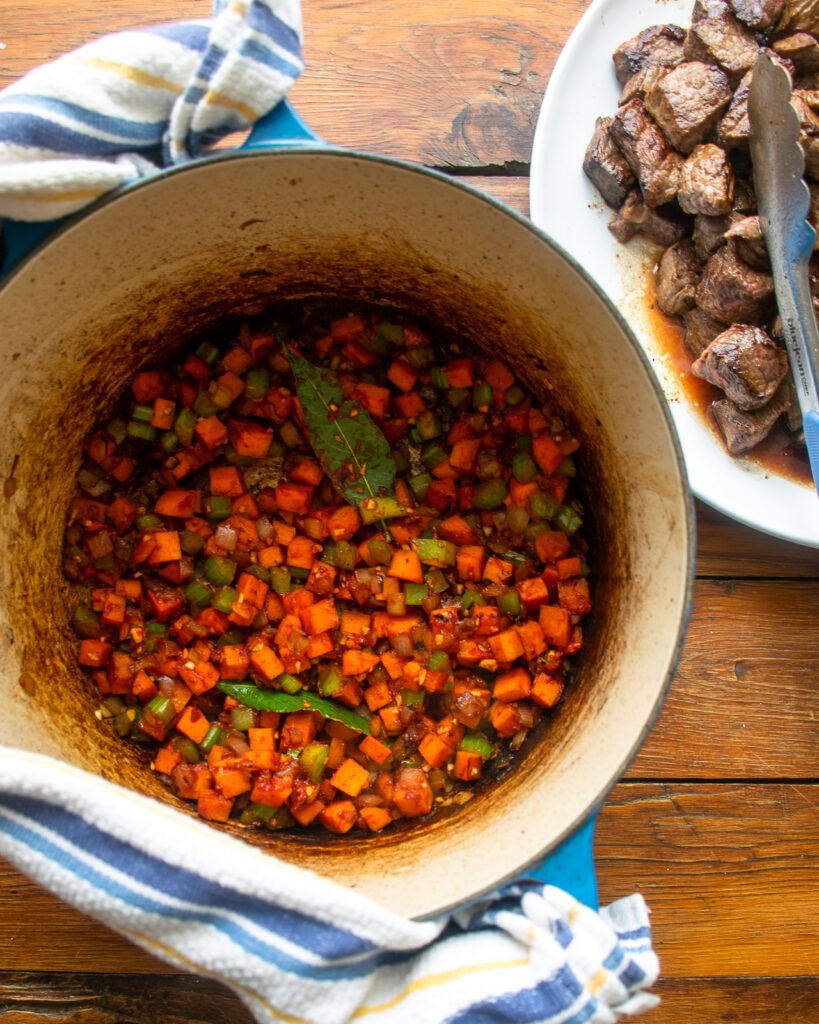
298, 948
115, 109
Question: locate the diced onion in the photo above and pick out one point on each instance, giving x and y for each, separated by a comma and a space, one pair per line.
225, 537
517, 519
237, 743
402, 645
264, 528
396, 604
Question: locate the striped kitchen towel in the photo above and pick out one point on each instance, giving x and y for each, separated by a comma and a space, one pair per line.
119, 107
299, 948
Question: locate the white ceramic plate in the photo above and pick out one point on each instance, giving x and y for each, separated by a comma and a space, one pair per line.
567, 206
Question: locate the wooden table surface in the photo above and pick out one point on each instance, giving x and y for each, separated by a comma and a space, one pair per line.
717, 821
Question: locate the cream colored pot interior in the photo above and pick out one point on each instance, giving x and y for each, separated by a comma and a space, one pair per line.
142, 274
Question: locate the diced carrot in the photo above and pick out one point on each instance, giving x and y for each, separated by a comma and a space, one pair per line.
403, 375
298, 599
307, 471
347, 328
470, 562
468, 767
573, 595
163, 414
322, 578
393, 664
514, 685
242, 613
506, 646
301, 551
434, 750
307, 813
166, 548
374, 749
460, 373
463, 455
375, 818
143, 687
498, 570
339, 817
391, 719
521, 493
265, 661
358, 663
319, 617
445, 471
178, 503
213, 806
409, 406
533, 592
350, 777
568, 567
273, 789
441, 494
552, 545
505, 718
536, 422
546, 453
193, 724
532, 638
229, 386
113, 610
211, 432
556, 624
546, 690
166, 760
294, 498
201, 678
489, 620
379, 695
233, 662
450, 730
147, 386
250, 438
298, 730
320, 645
237, 360
94, 653
406, 565
343, 523
375, 399
270, 556
498, 376
457, 530
226, 480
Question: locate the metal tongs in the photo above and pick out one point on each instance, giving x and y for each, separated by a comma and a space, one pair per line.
783, 200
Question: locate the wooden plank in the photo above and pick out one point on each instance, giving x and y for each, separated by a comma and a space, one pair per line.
745, 702
160, 999
30, 998
730, 873
367, 83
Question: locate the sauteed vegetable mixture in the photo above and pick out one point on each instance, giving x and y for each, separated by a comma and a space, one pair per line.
332, 571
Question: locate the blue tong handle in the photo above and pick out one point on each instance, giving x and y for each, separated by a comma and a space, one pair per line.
571, 865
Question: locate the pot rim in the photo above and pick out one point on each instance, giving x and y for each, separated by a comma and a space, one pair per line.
325, 151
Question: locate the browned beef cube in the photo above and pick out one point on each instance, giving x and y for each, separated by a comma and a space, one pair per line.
687, 103
746, 363
676, 278
655, 164
606, 166
734, 128
744, 196
725, 41
800, 16
733, 292
744, 430
641, 82
801, 49
664, 226
700, 330
758, 13
709, 234
745, 234
659, 45
707, 182
793, 414
709, 9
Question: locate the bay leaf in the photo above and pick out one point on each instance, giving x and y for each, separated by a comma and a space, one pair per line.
260, 699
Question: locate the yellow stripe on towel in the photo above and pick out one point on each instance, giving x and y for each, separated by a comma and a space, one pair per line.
130, 73
433, 980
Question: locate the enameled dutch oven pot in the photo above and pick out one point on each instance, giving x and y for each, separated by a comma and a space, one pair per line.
143, 272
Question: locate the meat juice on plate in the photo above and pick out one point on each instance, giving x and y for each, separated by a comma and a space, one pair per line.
674, 164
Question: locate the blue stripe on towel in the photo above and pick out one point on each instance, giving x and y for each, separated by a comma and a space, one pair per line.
195, 37
211, 62
264, 55
319, 937
263, 20
125, 128
556, 995
40, 133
